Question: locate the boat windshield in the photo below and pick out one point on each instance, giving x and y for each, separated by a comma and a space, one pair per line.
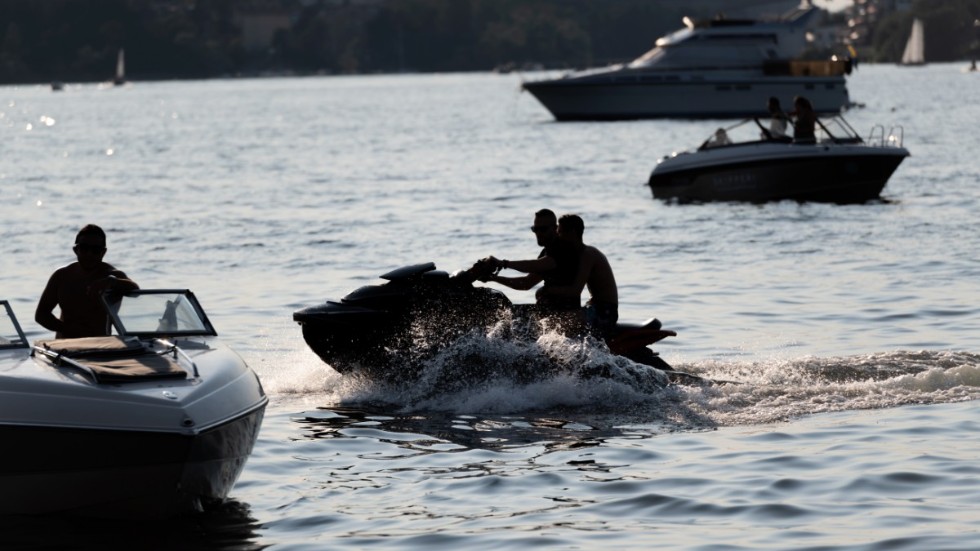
837, 130
11, 335
158, 313
830, 129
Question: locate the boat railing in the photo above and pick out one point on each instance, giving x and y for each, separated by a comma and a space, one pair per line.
178, 354
894, 138
877, 135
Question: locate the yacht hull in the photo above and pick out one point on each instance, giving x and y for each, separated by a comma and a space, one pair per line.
788, 172
626, 97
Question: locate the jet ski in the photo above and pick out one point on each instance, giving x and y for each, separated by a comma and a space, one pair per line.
154, 421
387, 331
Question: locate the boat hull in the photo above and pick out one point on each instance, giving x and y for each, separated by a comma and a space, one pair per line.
122, 473
680, 95
818, 174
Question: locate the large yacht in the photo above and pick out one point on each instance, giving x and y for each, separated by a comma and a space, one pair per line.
722, 68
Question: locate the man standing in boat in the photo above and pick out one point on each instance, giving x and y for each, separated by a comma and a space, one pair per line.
76, 289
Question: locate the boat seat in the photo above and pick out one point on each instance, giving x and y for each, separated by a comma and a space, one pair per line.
111, 359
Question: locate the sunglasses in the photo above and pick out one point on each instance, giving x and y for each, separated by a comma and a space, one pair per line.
86, 248
538, 229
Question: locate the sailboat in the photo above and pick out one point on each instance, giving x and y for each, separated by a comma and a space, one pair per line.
914, 53
120, 77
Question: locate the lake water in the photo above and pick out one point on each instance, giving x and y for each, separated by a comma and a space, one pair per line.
853, 330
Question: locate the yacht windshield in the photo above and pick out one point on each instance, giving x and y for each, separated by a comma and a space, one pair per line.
158, 313
10, 334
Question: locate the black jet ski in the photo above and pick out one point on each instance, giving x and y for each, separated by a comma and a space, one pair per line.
386, 331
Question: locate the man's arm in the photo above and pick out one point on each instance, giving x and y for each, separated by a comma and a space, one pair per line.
523, 283
115, 281
534, 266
122, 282
44, 315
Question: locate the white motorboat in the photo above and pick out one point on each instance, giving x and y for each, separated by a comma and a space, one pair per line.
840, 167
155, 420
721, 68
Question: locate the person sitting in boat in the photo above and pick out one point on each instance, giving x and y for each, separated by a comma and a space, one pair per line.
595, 273
804, 126
556, 266
719, 138
777, 122
76, 288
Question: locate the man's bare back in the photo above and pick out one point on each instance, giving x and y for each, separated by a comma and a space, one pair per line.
598, 274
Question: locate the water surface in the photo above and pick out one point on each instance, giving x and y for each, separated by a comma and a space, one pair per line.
853, 330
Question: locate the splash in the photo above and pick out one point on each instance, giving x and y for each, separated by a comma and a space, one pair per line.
501, 369
504, 370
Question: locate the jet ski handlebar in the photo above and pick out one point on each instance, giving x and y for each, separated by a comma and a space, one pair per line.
482, 270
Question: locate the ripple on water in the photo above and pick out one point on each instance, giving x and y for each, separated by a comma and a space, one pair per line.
852, 423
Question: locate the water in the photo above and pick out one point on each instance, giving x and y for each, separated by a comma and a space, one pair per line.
853, 330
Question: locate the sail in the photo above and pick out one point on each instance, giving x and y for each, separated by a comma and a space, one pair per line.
914, 53
120, 77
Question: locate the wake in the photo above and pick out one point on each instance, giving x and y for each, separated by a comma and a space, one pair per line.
481, 374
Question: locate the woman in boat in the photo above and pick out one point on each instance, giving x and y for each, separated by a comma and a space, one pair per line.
805, 125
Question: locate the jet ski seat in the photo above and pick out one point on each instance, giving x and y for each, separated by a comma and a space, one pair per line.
652, 324
631, 336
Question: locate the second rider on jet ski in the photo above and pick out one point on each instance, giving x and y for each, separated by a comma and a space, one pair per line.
566, 265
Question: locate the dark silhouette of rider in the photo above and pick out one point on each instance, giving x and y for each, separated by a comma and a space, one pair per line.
556, 266
76, 288
594, 272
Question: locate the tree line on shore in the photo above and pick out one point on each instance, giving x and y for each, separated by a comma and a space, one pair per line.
78, 40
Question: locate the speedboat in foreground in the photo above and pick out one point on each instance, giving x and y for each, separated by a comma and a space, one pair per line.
387, 331
722, 68
154, 421
840, 167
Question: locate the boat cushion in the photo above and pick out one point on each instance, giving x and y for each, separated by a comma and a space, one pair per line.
113, 359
